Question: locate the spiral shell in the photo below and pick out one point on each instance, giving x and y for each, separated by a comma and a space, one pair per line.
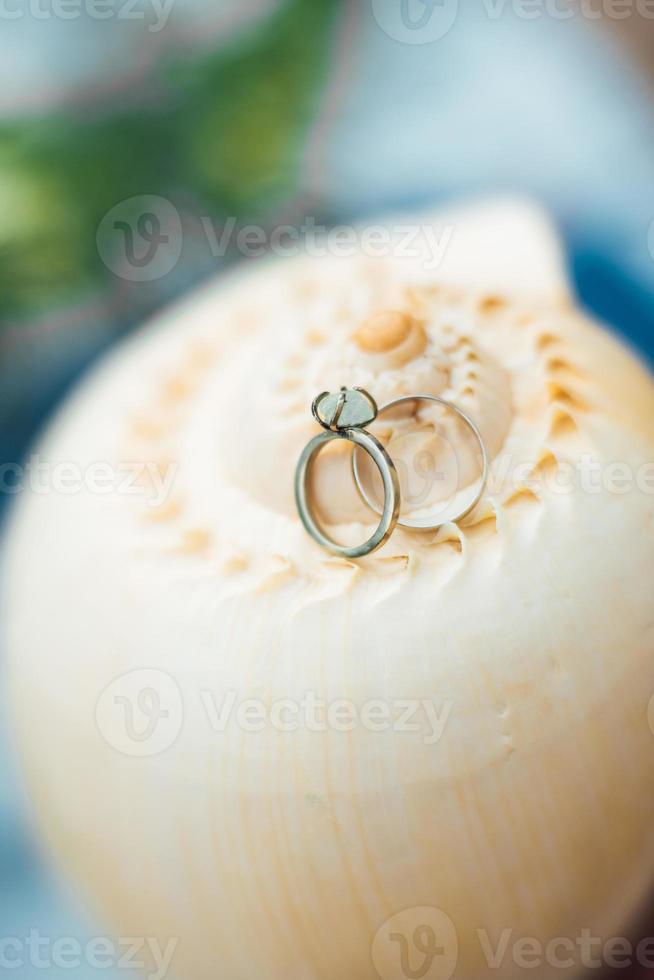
521, 801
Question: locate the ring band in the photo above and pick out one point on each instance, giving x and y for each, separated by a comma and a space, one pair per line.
422, 525
344, 415
386, 467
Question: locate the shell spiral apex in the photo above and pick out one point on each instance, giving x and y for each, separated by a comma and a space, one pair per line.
519, 640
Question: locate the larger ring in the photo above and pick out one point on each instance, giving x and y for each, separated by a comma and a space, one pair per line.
418, 524
386, 467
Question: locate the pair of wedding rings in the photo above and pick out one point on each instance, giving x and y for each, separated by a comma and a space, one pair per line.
345, 414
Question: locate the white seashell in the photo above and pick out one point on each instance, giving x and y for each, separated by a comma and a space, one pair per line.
482, 760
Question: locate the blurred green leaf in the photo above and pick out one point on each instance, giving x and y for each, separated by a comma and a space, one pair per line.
228, 137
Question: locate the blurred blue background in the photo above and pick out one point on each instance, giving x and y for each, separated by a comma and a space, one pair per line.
269, 111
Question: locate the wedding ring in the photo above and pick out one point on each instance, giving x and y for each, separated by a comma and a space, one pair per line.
344, 415
426, 524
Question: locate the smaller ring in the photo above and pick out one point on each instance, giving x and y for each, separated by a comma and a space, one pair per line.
417, 525
386, 467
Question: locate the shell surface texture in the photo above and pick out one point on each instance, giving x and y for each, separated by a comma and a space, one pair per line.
373, 768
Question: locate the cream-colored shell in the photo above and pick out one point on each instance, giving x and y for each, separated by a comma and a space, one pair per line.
277, 855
